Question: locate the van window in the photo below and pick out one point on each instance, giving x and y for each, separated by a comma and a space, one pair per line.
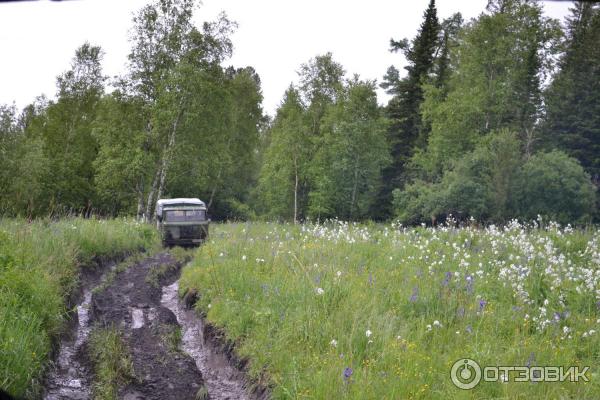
185, 215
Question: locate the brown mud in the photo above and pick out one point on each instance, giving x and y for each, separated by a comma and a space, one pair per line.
171, 356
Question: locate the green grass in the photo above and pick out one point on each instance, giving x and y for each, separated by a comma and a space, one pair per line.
304, 303
171, 336
111, 361
39, 267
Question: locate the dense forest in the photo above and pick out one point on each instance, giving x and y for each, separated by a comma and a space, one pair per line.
492, 119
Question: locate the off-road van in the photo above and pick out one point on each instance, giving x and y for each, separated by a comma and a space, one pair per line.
182, 222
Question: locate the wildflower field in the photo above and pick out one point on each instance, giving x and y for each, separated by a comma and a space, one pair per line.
341, 310
40, 264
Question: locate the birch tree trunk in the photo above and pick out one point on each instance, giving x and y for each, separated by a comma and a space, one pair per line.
166, 159
214, 190
295, 189
148, 215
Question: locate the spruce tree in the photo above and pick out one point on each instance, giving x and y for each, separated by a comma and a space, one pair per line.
573, 100
405, 132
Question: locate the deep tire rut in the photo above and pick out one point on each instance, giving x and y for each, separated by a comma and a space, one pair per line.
165, 343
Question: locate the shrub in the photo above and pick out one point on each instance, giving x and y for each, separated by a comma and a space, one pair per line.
556, 186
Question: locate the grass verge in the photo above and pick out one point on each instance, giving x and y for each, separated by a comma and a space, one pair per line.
39, 267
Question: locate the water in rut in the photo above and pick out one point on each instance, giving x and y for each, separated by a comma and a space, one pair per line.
69, 379
222, 380
144, 314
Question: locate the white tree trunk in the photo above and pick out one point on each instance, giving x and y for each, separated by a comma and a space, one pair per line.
166, 159
149, 202
295, 189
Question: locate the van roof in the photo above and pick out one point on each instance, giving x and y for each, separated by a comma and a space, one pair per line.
160, 204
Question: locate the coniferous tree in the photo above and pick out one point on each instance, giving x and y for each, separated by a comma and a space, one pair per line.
406, 131
573, 100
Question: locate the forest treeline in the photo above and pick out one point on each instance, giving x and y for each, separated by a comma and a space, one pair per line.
493, 118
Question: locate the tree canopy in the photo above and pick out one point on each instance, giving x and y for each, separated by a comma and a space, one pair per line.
492, 118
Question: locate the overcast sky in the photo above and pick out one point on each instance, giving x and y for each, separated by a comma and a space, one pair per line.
38, 38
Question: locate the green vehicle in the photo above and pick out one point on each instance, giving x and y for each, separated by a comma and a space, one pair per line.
182, 222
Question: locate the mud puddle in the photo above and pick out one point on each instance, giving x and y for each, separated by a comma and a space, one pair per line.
222, 380
170, 357
69, 379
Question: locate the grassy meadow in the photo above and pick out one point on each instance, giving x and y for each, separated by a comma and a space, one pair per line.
39, 267
354, 311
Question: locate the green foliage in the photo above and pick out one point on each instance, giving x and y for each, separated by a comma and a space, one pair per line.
285, 163
346, 169
122, 163
178, 124
181, 124
66, 129
499, 64
555, 186
472, 166
327, 147
495, 183
406, 131
573, 99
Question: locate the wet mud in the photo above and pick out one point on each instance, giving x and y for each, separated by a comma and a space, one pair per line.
167, 344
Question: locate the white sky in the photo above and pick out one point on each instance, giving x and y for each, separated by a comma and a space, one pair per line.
38, 38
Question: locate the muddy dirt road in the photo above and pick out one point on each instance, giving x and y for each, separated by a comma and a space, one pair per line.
165, 342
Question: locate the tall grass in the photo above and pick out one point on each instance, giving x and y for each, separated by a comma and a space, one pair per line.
39, 267
111, 361
382, 312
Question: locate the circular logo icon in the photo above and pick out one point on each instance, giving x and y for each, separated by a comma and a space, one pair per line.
465, 373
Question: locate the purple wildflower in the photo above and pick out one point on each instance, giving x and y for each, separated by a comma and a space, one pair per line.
447, 279
469, 285
531, 359
556, 317
415, 295
347, 374
482, 304
461, 312
318, 279
469, 329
